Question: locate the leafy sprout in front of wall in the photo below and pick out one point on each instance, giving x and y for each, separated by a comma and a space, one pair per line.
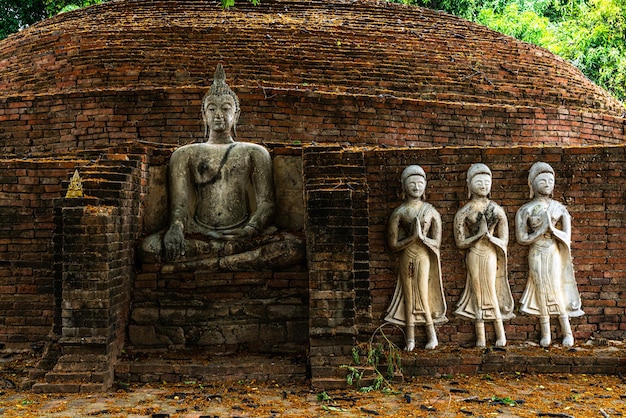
376, 362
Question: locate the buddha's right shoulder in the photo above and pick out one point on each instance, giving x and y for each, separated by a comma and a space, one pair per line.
182, 154
187, 149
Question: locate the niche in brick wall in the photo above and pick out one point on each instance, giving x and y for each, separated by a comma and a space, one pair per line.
224, 312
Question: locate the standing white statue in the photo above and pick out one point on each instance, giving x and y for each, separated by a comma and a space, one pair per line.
415, 230
481, 228
545, 225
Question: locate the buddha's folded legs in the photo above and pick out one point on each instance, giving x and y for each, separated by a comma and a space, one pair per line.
275, 255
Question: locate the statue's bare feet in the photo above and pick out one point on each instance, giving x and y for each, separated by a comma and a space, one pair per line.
432, 344
410, 345
545, 341
500, 335
481, 341
568, 340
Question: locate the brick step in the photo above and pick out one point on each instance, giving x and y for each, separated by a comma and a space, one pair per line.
214, 370
70, 387
85, 377
521, 359
75, 373
453, 361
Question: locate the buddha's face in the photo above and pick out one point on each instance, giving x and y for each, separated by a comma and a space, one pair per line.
220, 113
543, 185
414, 186
480, 185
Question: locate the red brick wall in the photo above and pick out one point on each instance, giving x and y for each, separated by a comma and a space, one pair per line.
96, 244
27, 192
305, 72
349, 195
31, 240
448, 88
39, 125
220, 313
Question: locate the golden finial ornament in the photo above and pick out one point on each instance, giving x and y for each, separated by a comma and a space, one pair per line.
75, 189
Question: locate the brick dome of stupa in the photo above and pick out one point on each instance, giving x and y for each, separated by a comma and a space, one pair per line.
157, 57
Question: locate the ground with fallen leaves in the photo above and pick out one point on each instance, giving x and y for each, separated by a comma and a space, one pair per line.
499, 395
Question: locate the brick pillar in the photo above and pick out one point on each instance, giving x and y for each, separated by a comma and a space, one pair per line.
94, 296
337, 246
90, 242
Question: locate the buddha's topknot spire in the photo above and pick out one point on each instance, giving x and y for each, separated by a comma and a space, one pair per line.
219, 86
219, 79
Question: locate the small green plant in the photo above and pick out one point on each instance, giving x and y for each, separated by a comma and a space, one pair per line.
505, 401
333, 408
382, 361
326, 399
356, 355
323, 397
354, 375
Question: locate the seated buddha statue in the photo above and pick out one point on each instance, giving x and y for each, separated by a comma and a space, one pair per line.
221, 198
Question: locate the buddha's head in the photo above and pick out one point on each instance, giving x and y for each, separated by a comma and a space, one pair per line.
220, 106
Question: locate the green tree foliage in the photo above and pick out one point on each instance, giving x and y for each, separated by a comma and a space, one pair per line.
594, 39
230, 3
526, 25
18, 14
591, 34
60, 6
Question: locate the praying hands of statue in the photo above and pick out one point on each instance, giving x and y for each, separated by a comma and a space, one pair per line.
549, 225
543, 226
483, 229
564, 234
500, 238
417, 231
421, 235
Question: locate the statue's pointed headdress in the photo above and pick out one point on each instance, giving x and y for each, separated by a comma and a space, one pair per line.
219, 88
219, 85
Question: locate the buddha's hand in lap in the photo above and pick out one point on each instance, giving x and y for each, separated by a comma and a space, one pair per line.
174, 242
247, 231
